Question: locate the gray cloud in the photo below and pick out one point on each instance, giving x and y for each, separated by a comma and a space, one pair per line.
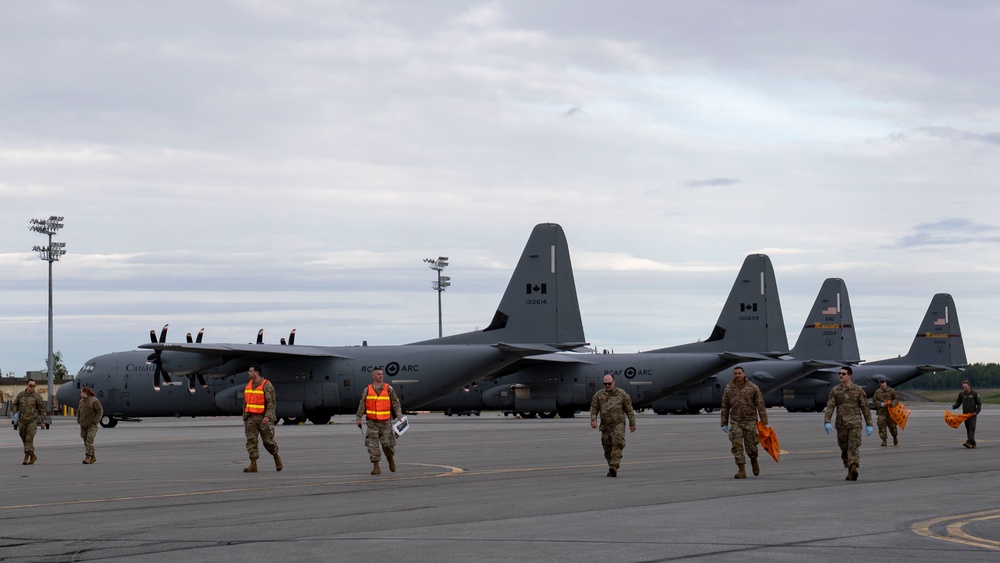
949, 232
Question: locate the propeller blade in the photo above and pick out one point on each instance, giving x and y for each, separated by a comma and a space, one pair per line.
152, 336
163, 333
189, 339
260, 336
191, 384
291, 338
201, 380
201, 333
156, 378
283, 343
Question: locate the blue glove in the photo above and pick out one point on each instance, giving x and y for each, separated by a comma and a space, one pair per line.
725, 429
827, 427
868, 430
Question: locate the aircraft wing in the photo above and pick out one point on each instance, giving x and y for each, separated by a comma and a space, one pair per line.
254, 351
744, 356
927, 368
820, 364
532, 349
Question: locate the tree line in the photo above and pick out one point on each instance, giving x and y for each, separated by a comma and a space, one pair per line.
980, 376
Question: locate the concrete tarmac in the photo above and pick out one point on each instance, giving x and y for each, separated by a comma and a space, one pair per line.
495, 488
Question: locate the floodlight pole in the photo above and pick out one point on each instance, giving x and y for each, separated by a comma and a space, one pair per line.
440, 285
50, 254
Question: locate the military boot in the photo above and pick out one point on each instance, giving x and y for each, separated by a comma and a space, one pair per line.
392, 463
376, 470
277, 462
853, 473
252, 468
613, 471
883, 442
25, 461
895, 440
32, 458
86, 460
93, 458
754, 466
742, 473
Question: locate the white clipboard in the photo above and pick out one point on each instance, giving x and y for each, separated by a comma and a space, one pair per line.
401, 426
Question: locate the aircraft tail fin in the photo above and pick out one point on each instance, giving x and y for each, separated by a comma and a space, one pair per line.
751, 319
938, 341
540, 304
829, 332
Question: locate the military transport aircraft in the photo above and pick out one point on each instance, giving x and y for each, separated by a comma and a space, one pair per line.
538, 314
750, 326
937, 346
827, 340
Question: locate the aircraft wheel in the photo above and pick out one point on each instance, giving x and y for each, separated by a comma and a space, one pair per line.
547, 414
108, 422
661, 411
475, 413
320, 419
526, 414
566, 412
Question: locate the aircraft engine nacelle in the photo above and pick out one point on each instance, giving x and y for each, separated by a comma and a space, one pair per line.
230, 400
499, 398
187, 363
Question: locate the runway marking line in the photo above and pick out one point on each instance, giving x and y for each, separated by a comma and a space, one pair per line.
954, 530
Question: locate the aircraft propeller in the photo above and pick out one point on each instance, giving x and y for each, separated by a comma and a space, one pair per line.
154, 358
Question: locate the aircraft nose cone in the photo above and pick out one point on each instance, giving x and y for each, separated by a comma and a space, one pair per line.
68, 395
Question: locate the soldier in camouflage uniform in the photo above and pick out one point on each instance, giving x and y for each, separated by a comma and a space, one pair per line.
614, 406
851, 403
88, 414
378, 405
742, 402
259, 418
884, 398
30, 407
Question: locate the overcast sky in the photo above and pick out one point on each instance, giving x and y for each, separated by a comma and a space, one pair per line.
237, 165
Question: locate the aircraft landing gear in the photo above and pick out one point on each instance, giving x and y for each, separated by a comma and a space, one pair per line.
108, 421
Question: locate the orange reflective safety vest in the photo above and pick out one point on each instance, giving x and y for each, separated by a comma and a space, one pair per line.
378, 406
254, 398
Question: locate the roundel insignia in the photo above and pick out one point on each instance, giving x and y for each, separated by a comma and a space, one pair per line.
629, 372
392, 368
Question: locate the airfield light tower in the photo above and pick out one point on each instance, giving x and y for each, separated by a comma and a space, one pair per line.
440, 285
50, 254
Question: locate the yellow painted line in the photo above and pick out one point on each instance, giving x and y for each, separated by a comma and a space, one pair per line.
954, 530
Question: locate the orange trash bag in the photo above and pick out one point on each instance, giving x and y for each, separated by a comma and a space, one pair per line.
955, 419
899, 414
768, 440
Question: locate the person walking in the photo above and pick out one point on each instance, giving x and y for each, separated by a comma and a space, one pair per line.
614, 406
259, 418
29, 408
851, 404
742, 403
970, 402
377, 406
884, 398
88, 415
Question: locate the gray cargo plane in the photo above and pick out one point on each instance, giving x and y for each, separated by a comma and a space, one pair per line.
937, 346
827, 340
750, 325
538, 314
